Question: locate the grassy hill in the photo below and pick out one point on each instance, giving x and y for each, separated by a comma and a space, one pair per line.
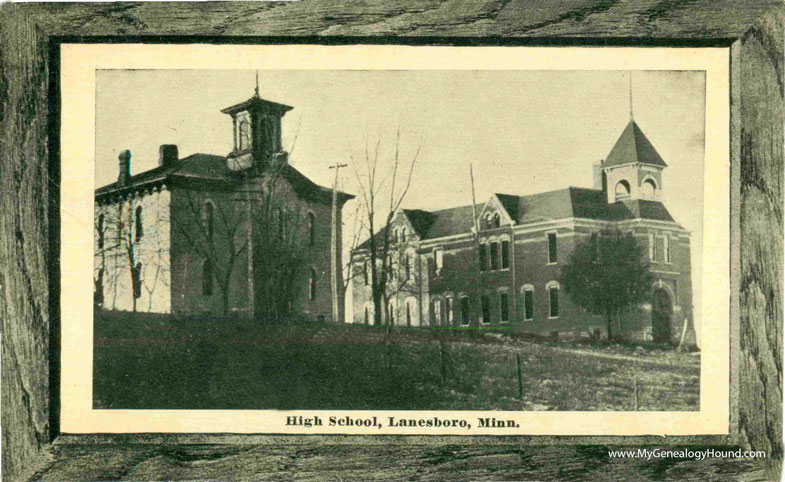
165, 362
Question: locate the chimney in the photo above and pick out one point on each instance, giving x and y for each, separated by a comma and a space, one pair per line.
124, 177
597, 175
167, 154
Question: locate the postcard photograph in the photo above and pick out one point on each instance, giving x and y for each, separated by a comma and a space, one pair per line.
495, 240
394, 248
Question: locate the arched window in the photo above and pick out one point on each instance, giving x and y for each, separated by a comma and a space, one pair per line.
209, 219
391, 313
101, 231
649, 189
622, 190
312, 284
553, 299
403, 235
496, 221
207, 278
528, 302
139, 225
311, 229
244, 134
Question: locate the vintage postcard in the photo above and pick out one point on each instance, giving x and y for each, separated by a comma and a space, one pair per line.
395, 240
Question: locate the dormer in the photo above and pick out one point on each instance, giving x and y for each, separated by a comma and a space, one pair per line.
256, 132
633, 169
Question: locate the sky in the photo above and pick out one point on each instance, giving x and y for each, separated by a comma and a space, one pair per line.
522, 132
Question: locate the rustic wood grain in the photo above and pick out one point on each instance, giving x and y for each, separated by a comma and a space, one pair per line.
759, 134
24, 248
757, 141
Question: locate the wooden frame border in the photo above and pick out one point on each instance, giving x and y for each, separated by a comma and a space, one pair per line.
29, 233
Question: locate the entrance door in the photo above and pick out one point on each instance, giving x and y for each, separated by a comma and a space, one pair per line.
661, 309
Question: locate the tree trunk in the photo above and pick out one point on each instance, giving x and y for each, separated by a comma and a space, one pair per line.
609, 320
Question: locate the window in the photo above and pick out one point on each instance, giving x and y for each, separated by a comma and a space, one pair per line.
622, 190
667, 248
366, 315
101, 231
504, 307
391, 313
139, 225
652, 248
396, 236
496, 220
649, 189
312, 284
494, 256
311, 229
528, 304
553, 254
136, 278
437, 311
448, 309
403, 235
465, 320
408, 262
366, 278
505, 254
439, 260
244, 130
486, 309
553, 298
207, 278
408, 313
208, 219
483, 257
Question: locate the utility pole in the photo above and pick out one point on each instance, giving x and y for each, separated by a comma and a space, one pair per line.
335, 282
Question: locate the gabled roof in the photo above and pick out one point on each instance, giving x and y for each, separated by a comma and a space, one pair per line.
212, 168
420, 220
633, 146
573, 202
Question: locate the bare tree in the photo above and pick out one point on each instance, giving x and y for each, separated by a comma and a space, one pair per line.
217, 233
377, 177
281, 232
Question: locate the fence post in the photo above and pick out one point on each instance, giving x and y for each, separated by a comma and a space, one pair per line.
520, 376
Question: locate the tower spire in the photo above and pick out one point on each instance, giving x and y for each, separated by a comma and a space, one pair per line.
629, 74
256, 90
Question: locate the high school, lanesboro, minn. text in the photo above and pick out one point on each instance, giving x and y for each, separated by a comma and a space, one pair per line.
380, 422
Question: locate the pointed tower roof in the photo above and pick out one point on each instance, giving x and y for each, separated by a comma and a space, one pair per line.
633, 147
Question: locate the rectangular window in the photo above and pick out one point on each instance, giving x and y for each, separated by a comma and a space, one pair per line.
437, 311
439, 260
449, 310
553, 294
667, 248
552, 248
652, 249
528, 305
483, 257
504, 307
494, 256
486, 308
465, 320
505, 254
